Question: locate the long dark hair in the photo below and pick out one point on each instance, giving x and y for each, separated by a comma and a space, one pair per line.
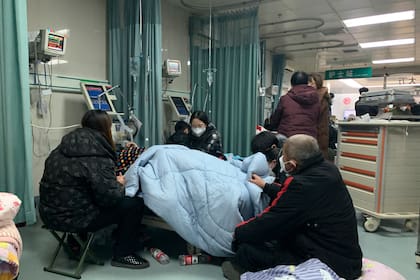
99, 120
317, 78
202, 116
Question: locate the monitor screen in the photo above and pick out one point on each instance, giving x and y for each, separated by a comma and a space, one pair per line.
53, 44
95, 100
180, 106
174, 67
171, 68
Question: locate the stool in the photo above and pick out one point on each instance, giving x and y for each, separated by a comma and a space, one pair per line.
85, 252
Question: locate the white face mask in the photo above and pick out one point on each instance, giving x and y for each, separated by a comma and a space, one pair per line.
198, 131
282, 165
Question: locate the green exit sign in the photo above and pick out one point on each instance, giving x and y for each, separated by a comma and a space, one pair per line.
365, 72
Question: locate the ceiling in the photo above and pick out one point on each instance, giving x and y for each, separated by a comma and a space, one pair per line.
313, 37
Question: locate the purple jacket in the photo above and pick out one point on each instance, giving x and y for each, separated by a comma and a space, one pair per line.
297, 112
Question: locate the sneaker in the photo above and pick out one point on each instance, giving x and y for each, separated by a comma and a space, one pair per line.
231, 271
131, 261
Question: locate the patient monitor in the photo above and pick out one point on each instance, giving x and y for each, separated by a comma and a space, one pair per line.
179, 106
175, 108
96, 96
171, 68
46, 45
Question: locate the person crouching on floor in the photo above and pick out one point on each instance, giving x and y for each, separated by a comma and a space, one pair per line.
311, 216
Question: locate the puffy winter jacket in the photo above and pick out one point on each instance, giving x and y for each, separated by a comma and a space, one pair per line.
78, 180
210, 142
297, 112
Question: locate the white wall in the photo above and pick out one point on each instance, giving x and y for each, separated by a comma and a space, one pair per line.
342, 102
86, 56
86, 45
175, 45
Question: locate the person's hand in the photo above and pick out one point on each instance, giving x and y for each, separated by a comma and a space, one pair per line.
130, 144
121, 180
257, 180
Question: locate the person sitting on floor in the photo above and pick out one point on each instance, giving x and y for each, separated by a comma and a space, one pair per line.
80, 192
311, 216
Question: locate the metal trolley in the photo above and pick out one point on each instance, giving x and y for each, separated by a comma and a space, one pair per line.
379, 162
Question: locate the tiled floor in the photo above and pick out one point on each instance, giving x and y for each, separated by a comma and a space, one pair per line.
390, 245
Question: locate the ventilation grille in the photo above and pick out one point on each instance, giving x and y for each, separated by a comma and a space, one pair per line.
350, 51
333, 31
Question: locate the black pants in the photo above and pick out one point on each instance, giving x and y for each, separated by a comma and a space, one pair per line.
127, 214
253, 257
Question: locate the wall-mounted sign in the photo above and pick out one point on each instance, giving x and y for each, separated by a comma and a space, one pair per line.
365, 72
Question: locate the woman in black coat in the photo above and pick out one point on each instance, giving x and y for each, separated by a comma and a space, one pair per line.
204, 135
79, 191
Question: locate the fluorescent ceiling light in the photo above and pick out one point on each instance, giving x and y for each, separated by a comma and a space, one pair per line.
407, 15
351, 83
395, 60
395, 85
387, 43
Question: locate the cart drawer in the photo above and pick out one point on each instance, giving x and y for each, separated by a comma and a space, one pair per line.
360, 181
362, 199
359, 149
358, 166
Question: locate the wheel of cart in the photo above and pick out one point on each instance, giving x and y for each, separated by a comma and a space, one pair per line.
371, 224
410, 224
372, 220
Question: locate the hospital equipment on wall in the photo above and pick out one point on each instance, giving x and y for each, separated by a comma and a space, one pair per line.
265, 102
176, 107
171, 68
379, 164
97, 96
47, 44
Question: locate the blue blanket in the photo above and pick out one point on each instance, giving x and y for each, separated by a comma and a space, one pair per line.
200, 196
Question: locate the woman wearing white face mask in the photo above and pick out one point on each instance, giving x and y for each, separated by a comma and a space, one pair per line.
204, 136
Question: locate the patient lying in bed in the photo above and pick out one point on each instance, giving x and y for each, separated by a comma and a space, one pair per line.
201, 197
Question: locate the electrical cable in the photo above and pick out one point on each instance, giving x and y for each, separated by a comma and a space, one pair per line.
55, 128
48, 129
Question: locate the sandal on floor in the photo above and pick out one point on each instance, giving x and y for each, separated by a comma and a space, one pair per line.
131, 261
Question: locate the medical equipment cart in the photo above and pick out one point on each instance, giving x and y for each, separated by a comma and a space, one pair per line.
379, 162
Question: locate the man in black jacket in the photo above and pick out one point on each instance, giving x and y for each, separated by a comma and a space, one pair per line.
311, 216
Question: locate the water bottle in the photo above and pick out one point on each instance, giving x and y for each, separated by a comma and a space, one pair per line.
160, 256
194, 259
